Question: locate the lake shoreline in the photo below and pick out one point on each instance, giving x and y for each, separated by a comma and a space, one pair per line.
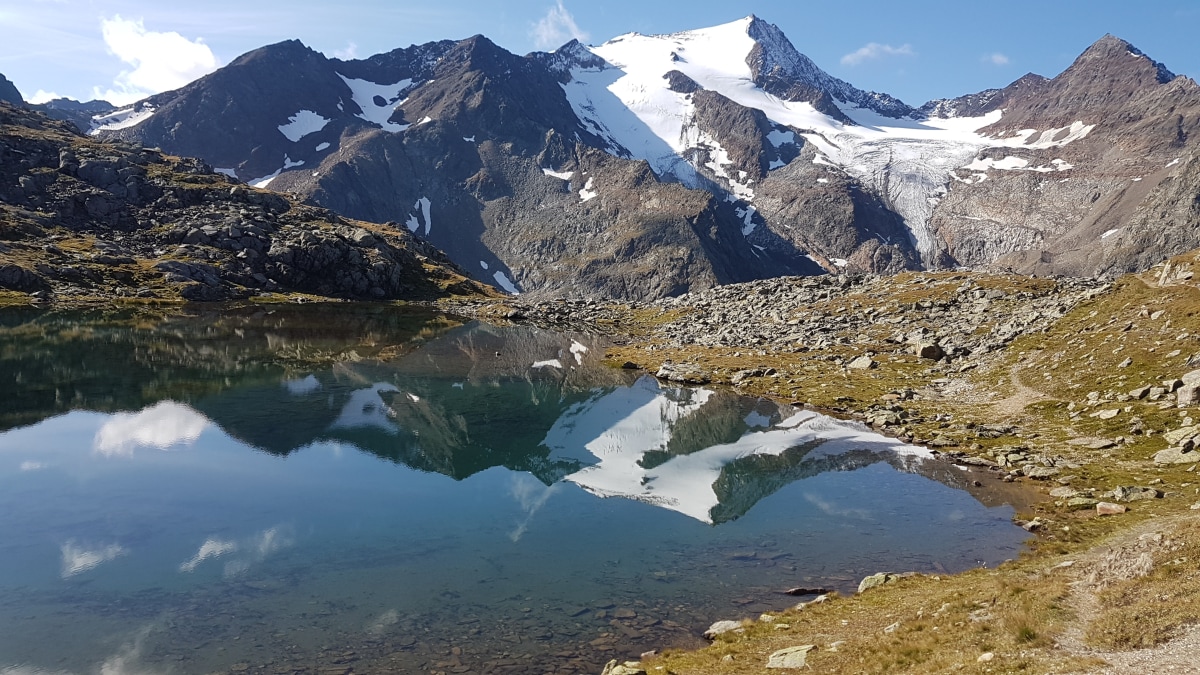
1008, 409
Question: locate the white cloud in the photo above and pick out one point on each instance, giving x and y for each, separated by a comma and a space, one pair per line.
160, 61
42, 96
996, 59
348, 54
557, 28
874, 50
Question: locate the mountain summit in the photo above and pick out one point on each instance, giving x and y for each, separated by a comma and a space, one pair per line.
651, 165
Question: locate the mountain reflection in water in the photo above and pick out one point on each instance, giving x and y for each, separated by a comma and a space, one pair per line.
125, 478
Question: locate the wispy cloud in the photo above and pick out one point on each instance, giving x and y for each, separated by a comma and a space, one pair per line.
996, 59
557, 28
874, 50
160, 61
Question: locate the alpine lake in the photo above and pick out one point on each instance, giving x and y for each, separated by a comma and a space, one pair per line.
337, 488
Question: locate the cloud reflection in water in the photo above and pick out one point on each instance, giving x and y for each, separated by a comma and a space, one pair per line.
162, 425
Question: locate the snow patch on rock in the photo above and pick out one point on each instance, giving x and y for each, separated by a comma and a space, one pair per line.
303, 123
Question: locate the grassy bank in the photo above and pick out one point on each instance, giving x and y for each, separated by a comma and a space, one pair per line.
1091, 586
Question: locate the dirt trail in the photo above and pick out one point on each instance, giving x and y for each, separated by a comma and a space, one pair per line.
1181, 655
1021, 397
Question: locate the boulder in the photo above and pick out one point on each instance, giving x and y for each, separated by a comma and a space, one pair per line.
1189, 389
929, 350
863, 362
1041, 472
1176, 456
1081, 503
1133, 494
1181, 434
722, 627
1109, 509
877, 580
627, 668
683, 373
791, 657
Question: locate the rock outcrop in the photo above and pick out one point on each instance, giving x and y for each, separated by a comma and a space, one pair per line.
87, 219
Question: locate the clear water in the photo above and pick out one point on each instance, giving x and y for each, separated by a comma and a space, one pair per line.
337, 488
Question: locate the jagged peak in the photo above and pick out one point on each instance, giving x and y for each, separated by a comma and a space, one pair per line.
1111, 47
285, 50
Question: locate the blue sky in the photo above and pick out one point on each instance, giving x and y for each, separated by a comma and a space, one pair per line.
913, 49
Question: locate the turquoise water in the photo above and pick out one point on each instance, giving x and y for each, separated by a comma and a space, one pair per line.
319, 489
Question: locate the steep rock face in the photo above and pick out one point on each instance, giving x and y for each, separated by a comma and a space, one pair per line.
781, 70
9, 93
1055, 208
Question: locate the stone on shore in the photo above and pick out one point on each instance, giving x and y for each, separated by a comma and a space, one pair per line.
877, 580
722, 627
627, 668
792, 657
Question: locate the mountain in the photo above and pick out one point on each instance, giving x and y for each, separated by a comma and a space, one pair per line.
1105, 186
82, 218
78, 113
8, 92
652, 165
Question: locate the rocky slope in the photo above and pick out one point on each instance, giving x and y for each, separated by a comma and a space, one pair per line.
82, 218
653, 165
1115, 200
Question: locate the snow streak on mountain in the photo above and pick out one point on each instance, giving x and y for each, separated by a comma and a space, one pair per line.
630, 100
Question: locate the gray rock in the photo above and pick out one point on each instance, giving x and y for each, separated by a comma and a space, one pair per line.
1177, 436
1042, 472
791, 657
683, 373
863, 362
1189, 389
1133, 494
627, 668
929, 350
1081, 503
878, 579
1176, 456
722, 627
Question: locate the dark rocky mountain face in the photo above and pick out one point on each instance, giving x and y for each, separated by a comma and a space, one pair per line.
81, 218
9, 93
631, 170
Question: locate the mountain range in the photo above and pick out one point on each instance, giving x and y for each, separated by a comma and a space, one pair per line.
649, 166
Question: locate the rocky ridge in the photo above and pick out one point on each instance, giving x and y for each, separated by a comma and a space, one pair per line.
518, 167
88, 219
